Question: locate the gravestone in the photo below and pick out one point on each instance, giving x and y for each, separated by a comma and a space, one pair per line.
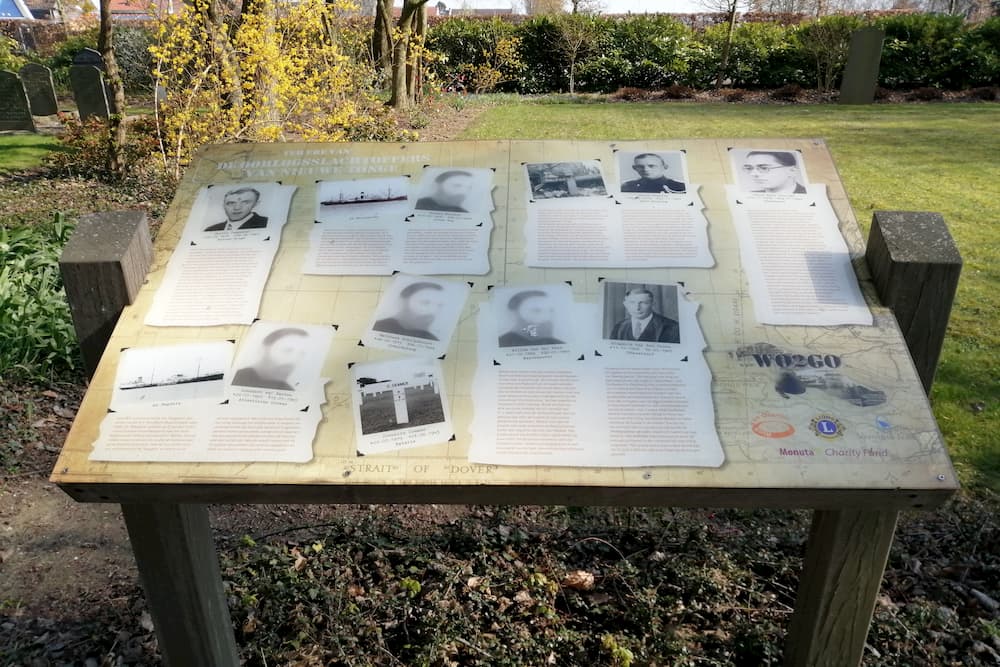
88, 91
89, 57
15, 114
861, 71
37, 81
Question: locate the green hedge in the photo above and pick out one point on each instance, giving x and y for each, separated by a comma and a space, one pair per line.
656, 51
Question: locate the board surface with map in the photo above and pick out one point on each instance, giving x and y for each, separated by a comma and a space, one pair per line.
817, 416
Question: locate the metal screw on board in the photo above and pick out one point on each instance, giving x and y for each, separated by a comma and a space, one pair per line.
940, 478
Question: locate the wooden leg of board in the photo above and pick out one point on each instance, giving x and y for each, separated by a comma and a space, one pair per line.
179, 569
845, 559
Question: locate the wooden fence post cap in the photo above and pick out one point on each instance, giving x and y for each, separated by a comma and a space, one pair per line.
106, 236
917, 236
103, 265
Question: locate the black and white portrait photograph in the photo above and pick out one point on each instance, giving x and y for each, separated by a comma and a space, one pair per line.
359, 198
653, 173
240, 207
418, 307
559, 180
642, 312
281, 356
455, 190
776, 172
533, 315
167, 375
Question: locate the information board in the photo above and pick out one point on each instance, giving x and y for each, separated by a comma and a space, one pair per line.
816, 415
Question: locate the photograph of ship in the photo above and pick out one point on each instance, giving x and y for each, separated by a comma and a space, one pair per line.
364, 191
169, 375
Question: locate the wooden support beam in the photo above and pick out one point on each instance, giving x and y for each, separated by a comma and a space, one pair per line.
915, 266
103, 265
841, 575
180, 573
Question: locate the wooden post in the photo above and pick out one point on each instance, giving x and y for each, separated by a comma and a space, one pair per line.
915, 266
180, 573
841, 574
103, 265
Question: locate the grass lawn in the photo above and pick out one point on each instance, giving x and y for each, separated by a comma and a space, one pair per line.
918, 157
24, 151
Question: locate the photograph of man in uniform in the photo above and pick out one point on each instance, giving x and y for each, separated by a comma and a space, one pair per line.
533, 312
419, 305
773, 172
450, 189
239, 205
642, 322
282, 351
651, 169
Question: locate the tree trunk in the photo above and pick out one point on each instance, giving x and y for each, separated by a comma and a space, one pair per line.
572, 75
727, 47
401, 98
221, 41
116, 120
414, 65
264, 113
382, 37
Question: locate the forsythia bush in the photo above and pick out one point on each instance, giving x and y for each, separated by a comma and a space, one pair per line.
9, 59
275, 72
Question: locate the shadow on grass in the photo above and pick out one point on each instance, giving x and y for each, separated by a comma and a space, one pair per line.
26, 151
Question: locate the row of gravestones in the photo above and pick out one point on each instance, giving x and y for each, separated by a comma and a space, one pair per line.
30, 92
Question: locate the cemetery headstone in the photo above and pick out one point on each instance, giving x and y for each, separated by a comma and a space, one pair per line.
89, 57
861, 72
37, 81
15, 114
88, 90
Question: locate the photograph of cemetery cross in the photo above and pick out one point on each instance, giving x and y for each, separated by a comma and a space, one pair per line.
388, 405
554, 180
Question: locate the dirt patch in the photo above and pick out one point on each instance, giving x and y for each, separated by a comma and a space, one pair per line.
36, 196
443, 118
55, 551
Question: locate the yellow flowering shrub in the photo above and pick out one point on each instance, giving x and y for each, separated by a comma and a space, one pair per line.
276, 72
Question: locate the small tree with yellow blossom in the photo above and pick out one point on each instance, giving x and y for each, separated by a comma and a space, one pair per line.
270, 71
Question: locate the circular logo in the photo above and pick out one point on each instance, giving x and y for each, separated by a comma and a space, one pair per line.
768, 425
826, 426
